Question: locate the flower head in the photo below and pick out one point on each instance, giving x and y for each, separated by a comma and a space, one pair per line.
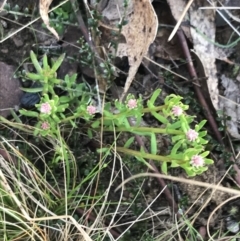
45, 125
91, 109
197, 161
132, 103
191, 135
177, 110
45, 108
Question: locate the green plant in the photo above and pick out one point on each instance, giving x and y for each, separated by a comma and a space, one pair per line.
188, 149
62, 16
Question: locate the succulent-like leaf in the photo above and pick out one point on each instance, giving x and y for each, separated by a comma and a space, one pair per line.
35, 62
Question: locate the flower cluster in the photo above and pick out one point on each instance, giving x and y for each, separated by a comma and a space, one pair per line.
91, 110
132, 103
45, 125
197, 161
45, 108
177, 110
191, 135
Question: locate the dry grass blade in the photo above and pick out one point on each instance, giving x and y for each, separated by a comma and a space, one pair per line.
214, 211
178, 179
180, 20
2, 6
43, 10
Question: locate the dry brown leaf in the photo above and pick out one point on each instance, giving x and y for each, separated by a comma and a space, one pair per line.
43, 10
230, 104
204, 23
140, 32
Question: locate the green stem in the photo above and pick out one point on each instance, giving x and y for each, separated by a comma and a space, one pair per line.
157, 108
129, 113
116, 116
147, 130
73, 117
145, 155
19, 126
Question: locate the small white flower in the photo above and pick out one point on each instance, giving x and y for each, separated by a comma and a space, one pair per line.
177, 111
191, 135
132, 104
45, 125
91, 109
197, 161
45, 108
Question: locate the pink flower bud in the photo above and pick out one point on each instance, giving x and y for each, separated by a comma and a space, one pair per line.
45, 125
132, 103
192, 135
45, 108
197, 161
177, 111
91, 109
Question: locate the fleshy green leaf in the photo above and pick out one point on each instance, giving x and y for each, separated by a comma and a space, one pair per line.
129, 142
95, 124
208, 161
144, 162
45, 62
153, 144
32, 90
34, 76
90, 134
202, 133
204, 154
28, 113
56, 81
178, 137
35, 62
174, 164
58, 63
154, 96
64, 99
164, 168
104, 150
200, 125
62, 108
174, 126
73, 124
160, 118
176, 147
202, 141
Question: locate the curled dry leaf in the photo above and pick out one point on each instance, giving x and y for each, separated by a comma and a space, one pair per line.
140, 32
43, 10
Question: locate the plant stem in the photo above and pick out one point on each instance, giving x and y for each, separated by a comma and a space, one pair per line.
145, 155
145, 130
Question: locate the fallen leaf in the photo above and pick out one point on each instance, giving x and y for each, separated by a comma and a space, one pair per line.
115, 9
139, 33
230, 104
204, 25
43, 10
